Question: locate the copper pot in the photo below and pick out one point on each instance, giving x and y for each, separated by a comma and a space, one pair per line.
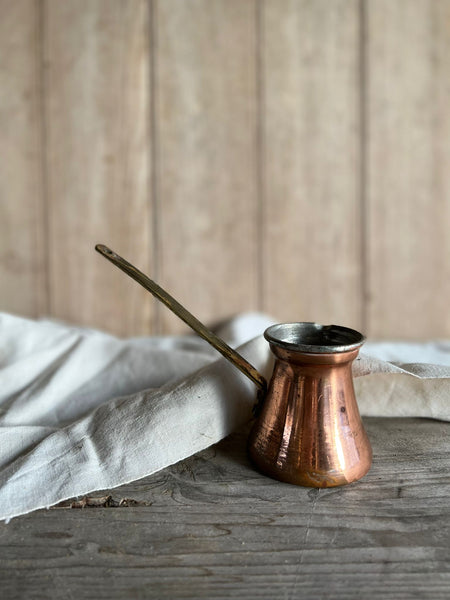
308, 430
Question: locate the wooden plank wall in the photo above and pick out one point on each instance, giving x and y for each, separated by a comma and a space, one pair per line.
291, 156
97, 128
408, 167
23, 268
311, 165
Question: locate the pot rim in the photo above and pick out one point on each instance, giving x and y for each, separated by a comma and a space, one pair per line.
313, 338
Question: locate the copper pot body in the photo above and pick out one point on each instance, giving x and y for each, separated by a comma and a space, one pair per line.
309, 431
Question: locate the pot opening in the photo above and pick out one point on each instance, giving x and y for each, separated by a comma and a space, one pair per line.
314, 338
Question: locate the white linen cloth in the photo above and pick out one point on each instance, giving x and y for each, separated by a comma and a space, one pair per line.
81, 410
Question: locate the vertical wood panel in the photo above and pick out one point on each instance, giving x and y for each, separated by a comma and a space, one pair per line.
97, 114
22, 214
206, 123
409, 168
312, 250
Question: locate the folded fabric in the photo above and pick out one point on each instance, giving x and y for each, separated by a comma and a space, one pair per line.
81, 410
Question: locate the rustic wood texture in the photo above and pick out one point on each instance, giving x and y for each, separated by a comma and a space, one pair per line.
205, 114
408, 188
22, 212
215, 528
98, 159
290, 156
311, 223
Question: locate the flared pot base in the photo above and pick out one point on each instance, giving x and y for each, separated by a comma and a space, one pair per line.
307, 477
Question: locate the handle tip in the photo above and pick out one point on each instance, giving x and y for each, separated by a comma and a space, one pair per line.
103, 249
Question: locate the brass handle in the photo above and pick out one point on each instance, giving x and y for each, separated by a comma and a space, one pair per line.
216, 342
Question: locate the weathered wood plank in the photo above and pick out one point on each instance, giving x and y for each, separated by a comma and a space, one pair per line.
206, 155
98, 159
311, 168
218, 529
22, 212
408, 109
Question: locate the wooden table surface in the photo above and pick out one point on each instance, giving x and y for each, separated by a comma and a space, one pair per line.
212, 527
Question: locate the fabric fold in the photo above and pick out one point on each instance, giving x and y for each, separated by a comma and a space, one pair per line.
132, 437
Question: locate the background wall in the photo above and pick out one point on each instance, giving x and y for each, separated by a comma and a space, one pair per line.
287, 156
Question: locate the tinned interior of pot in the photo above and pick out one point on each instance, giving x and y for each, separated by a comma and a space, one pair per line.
313, 337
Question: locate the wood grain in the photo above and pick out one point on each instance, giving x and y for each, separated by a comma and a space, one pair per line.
217, 529
206, 156
408, 109
98, 159
22, 212
311, 167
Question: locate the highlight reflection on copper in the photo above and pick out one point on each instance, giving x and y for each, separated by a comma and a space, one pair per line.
309, 431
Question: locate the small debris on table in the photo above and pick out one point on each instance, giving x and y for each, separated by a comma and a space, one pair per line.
101, 502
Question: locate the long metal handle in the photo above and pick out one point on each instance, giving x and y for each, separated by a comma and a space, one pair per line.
208, 335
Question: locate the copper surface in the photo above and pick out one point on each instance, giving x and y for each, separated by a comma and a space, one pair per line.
309, 431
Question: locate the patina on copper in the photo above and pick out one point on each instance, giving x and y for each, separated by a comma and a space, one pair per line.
308, 430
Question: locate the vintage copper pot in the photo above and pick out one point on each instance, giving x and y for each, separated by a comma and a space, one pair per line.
308, 430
